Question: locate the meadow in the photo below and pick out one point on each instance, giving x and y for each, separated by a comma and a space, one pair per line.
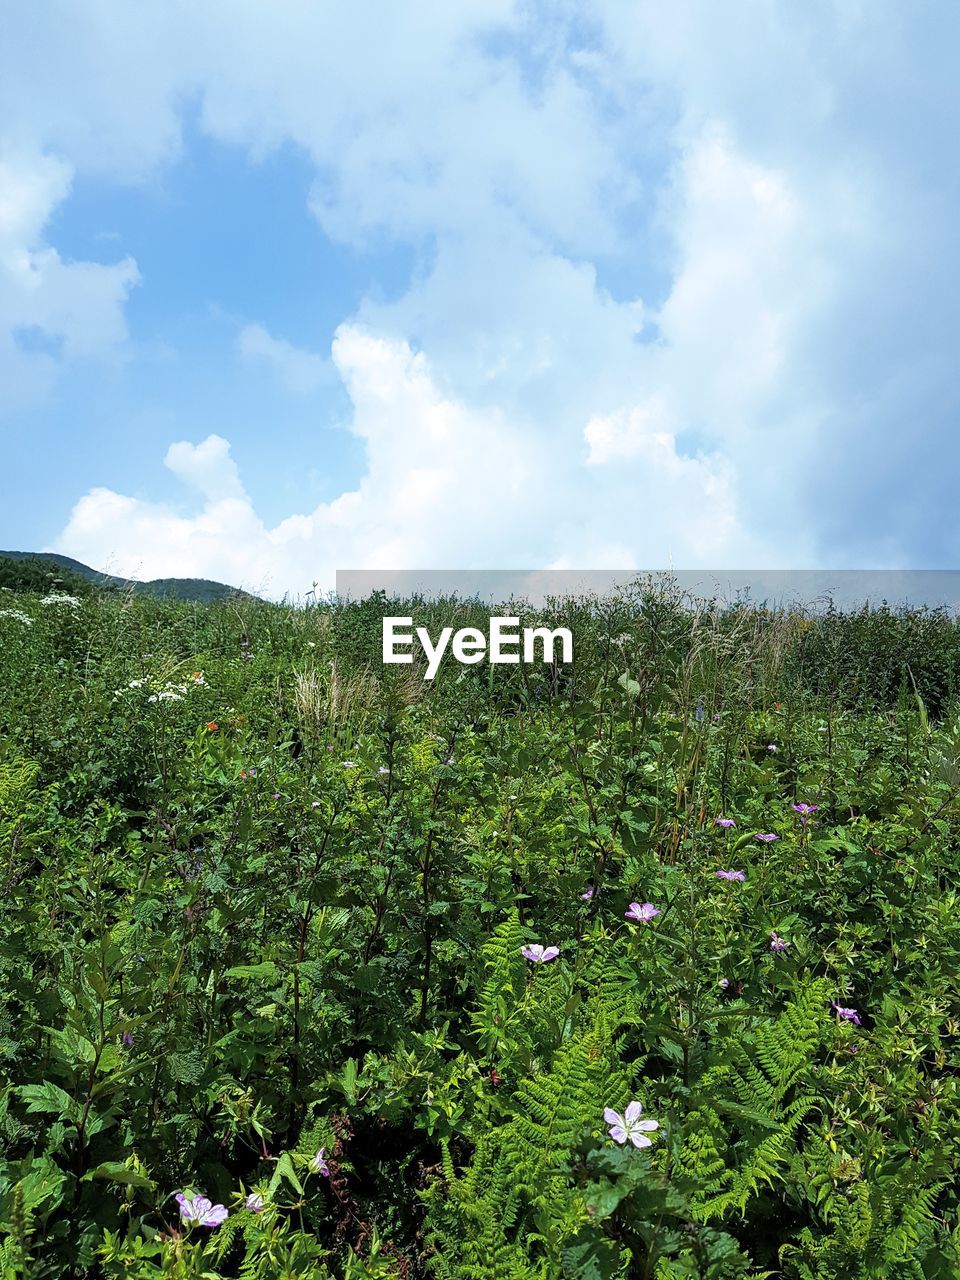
645, 967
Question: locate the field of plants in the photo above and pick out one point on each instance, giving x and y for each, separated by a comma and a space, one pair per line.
645, 967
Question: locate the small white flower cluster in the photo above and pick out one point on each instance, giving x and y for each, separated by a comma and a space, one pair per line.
59, 597
17, 615
167, 692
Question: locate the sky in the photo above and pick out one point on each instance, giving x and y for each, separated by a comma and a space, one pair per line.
295, 287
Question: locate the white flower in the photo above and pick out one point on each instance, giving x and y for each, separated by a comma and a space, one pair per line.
17, 616
58, 597
629, 1126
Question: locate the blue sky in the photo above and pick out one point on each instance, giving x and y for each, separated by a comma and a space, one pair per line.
290, 289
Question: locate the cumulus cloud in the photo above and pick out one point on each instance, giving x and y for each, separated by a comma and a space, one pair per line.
441, 479
51, 311
655, 313
298, 370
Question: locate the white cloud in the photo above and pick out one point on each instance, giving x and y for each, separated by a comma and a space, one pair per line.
75, 308
655, 312
442, 482
298, 370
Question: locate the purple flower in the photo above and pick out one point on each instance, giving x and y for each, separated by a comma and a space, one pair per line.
731, 875
588, 893
724, 982
699, 710
851, 1015
776, 942
766, 836
127, 1039
276, 795
383, 769
629, 1126
537, 953
641, 913
201, 1211
805, 808
254, 1202
726, 823
319, 1165
772, 747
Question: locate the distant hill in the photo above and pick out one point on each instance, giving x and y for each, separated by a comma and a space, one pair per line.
201, 590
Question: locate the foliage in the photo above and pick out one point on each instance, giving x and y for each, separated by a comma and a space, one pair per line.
265, 904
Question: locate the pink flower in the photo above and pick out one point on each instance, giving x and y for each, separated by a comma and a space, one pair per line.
319, 1165
641, 914
726, 823
588, 893
629, 1126
254, 1202
201, 1211
850, 1015
731, 875
766, 836
537, 953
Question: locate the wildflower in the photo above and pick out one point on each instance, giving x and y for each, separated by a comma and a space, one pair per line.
349, 764
248, 773
766, 836
198, 678
17, 616
776, 942
59, 597
629, 1126
314, 804
699, 712
731, 875
724, 982
823, 729
588, 893
726, 823
804, 809
319, 1165
212, 726
537, 953
127, 1039
276, 795
254, 1202
383, 769
201, 1211
641, 913
850, 1015
773, 747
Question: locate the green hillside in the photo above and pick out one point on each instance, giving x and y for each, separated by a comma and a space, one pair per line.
43, 570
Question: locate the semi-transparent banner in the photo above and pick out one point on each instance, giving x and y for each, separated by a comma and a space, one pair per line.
810, 589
